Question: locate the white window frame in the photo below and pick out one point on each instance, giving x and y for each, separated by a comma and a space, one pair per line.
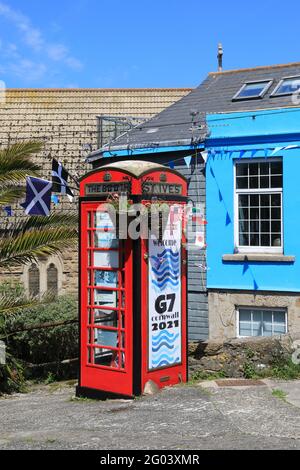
288, 93
237, 192
241, 307
268, 84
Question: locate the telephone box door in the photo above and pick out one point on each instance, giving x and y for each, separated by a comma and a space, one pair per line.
106, 305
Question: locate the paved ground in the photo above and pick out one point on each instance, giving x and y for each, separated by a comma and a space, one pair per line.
181, 418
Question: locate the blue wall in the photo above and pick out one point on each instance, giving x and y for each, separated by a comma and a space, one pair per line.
235, 133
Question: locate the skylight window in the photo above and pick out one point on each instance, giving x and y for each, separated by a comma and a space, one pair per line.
287, 86
253, 90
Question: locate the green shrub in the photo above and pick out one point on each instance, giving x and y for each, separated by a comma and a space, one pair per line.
39, 346
12, 376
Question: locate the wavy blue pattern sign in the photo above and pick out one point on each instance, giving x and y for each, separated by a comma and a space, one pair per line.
165, 296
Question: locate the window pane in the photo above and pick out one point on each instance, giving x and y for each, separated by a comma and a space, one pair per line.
243, 214
264, 168
254, 200
265, 227
243, 200
106, 279
276, 214
257, 325
254, 182
244, 239
265, 200
253, 90
289, 85
276, 240
267, 323
276, 227
254, 239
276, 200
254, 213
264, 182
265, 240
242, 169
265, 213
244, 226
276, 181
262, 322
242, 182
253, 169
276, 168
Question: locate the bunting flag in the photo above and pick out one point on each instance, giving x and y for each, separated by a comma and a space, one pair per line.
276, 150
204, 156
228, 219
60, 178
253, 153
8, 211
212, 172
55, 199
188, 161
245, 268
220, 196
242, 153
38, 197
172, 165
255, 285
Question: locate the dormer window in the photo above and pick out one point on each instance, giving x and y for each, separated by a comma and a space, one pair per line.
253, 90
287, 86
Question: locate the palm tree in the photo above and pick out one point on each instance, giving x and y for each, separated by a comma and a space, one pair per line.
27, 239
15, 166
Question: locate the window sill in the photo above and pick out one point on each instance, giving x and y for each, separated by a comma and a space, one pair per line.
259, 257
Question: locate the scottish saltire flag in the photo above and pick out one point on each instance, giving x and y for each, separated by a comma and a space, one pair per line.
60, 178
38, 196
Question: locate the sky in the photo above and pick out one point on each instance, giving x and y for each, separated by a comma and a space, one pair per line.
139, 43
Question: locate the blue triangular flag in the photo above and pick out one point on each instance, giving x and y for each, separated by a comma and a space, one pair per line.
220, 196
253, 153
38, 196
172, 165
266, 153
8, 211
188, 161
228, 219
276, 150
255, 285
245, 268
212, 172
55, 199
242, 153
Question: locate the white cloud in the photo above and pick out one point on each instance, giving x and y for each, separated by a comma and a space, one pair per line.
34, 39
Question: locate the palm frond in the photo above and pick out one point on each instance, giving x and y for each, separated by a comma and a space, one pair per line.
16, 176
17, 157
31, 245
10, 195
55, 219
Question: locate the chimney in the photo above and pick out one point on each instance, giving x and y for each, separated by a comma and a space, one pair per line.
220, 57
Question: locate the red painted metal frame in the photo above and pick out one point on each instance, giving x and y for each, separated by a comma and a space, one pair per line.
100, 377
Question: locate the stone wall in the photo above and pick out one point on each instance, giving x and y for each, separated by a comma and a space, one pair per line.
233, 357
223, 307
66, 121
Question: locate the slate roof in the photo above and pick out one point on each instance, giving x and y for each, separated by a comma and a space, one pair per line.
174, 126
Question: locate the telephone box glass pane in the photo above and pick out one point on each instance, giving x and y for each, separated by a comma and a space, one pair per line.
106, 259
106, 240
106, 279
104, 221
105, 298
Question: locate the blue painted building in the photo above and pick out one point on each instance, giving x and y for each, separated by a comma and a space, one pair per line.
253, 200
240, 132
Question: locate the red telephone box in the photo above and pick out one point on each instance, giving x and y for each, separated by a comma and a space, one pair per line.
133, 315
